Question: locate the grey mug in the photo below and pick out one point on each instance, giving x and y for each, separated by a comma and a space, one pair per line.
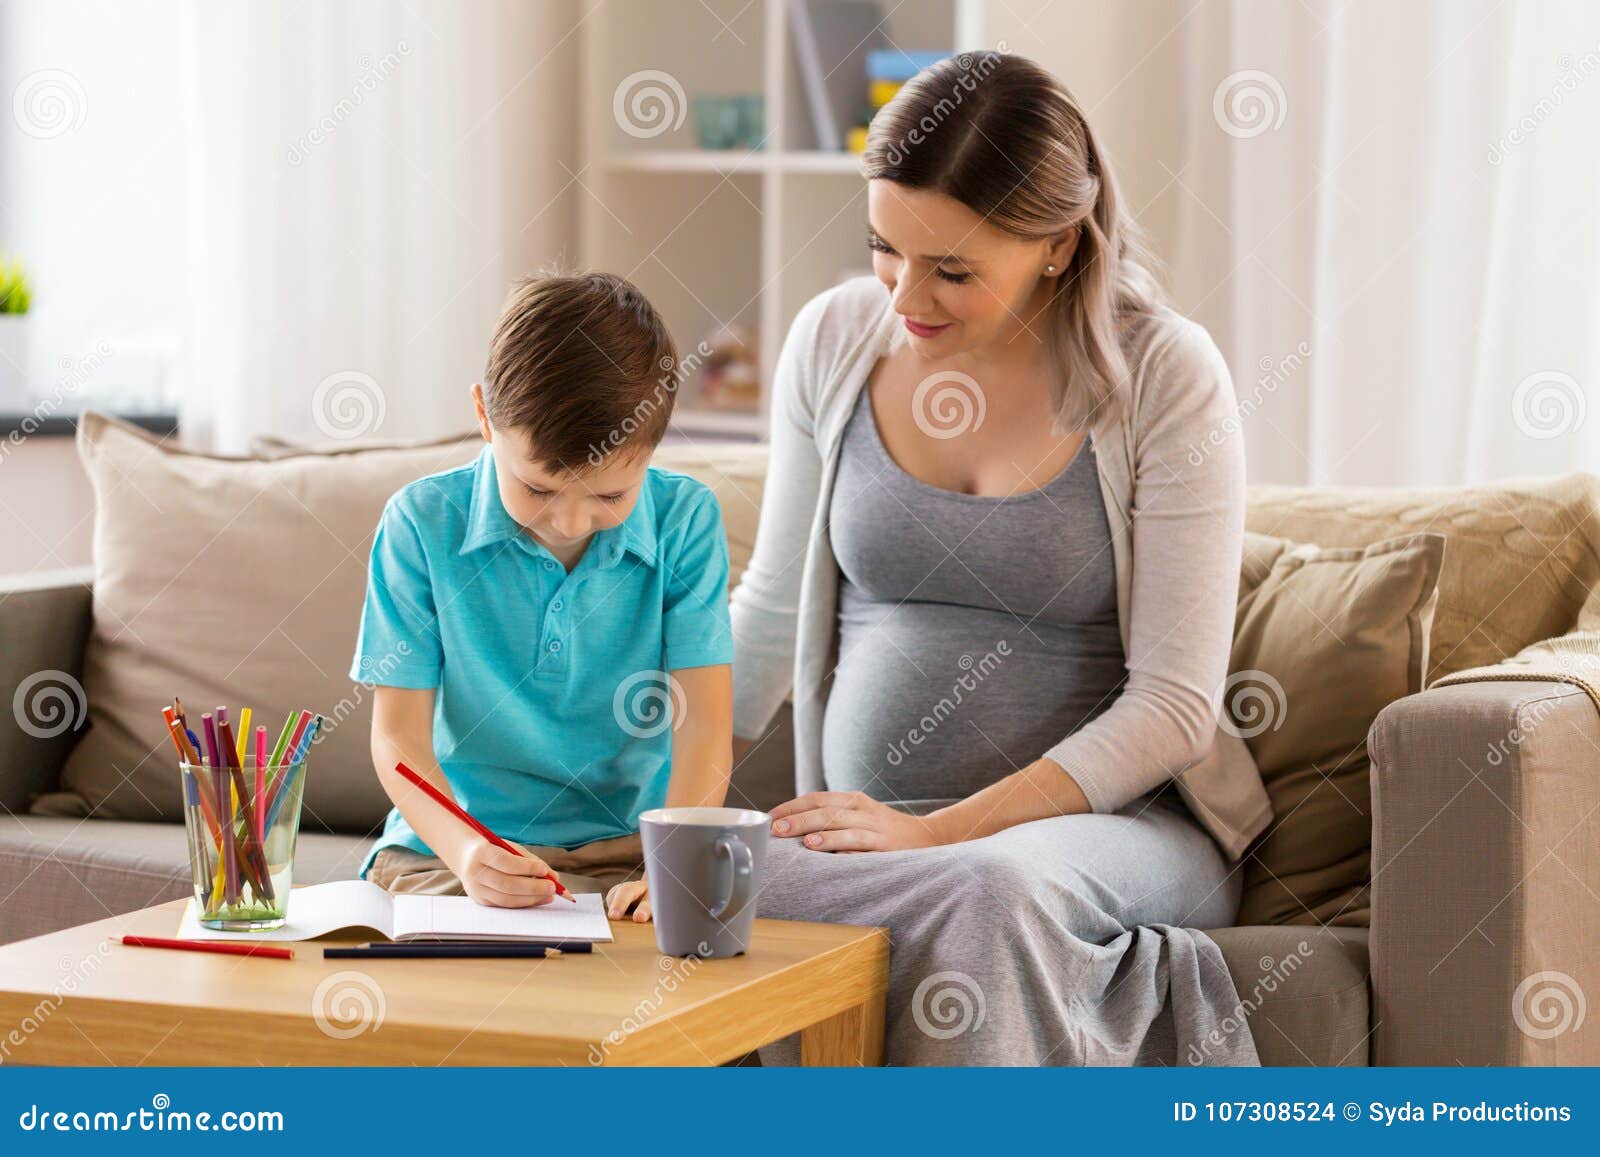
704, 868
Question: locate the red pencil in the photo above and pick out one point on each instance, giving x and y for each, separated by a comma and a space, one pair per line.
223, 946
456, 810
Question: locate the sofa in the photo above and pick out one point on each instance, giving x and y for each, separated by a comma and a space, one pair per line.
1477, 855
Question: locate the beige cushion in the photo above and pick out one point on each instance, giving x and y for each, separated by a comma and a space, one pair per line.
735, 471
1325, 639
1521, 563
1303, 992
240, 581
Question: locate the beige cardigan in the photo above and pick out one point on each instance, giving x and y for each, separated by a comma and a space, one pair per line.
1172, 474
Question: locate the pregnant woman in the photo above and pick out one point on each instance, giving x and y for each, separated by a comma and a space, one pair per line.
997, 564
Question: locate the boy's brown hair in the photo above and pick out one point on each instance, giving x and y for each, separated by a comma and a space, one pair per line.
584, 366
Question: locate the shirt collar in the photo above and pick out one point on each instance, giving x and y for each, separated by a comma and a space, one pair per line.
489, 523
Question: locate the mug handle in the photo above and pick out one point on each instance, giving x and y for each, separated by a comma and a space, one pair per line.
739, 855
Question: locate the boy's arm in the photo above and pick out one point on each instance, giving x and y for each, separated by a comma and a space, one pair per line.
702, 760
702, 744
402, 732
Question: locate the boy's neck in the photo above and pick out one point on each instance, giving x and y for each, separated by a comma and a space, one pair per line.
567, 556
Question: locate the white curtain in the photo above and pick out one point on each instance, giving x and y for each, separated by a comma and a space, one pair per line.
364, 181
1389, 218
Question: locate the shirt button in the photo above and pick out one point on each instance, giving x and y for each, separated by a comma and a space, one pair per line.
549, 564
556, 606
555, 645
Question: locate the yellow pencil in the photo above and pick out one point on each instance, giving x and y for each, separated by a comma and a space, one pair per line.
244, 734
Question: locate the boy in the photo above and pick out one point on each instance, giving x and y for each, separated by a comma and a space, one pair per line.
551, 621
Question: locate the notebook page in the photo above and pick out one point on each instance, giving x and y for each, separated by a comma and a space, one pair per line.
313, 911
418, 917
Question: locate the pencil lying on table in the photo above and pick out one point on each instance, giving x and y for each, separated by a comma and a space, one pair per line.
409, 951
455, 809
225, 947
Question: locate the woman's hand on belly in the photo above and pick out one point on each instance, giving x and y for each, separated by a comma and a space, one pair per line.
850, 821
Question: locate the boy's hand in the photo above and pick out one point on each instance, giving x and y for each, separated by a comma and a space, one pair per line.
497, 879
624, 895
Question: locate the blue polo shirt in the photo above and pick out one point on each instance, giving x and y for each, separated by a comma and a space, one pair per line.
552, 718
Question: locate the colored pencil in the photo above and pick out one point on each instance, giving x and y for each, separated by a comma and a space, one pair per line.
280, 794
255, 860
179, 740
261, 784
284, 758
219, 777
456, 810
292, 768
391, 951
244, 733
283, 739
566, 947
307, 740
300, 726
191, 798
228, 948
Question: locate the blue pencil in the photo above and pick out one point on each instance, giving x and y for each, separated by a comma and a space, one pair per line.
295, 766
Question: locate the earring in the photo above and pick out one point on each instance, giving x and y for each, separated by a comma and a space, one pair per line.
1049, 268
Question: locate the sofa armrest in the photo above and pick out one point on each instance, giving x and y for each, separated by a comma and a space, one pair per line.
44, 626
1486, 875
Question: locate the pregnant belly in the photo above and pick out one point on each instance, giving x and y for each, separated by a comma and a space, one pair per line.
935, 702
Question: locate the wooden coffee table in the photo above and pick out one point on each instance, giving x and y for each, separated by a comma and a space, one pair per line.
82, 997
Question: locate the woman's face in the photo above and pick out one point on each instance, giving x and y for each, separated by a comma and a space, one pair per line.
959, 283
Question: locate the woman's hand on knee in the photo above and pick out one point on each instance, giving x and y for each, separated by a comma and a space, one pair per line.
849, 821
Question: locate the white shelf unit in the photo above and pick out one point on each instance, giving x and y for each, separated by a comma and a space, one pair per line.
725, 237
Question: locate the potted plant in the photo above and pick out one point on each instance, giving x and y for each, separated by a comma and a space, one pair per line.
15, 298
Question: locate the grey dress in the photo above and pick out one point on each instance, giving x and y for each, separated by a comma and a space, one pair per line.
974, 633
962, 653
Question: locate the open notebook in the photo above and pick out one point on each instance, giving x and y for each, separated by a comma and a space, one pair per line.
322, 908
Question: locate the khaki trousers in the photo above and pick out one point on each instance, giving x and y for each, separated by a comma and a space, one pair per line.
593, 867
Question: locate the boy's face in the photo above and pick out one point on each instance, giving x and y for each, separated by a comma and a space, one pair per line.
561, 510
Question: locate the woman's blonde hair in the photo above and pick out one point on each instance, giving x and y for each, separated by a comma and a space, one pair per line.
1005, 137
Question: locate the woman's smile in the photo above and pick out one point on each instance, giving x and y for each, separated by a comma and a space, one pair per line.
920, 330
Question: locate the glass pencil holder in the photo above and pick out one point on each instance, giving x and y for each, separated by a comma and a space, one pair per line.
241, 829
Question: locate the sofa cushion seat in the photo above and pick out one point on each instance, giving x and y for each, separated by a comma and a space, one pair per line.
1303, 990
56, 872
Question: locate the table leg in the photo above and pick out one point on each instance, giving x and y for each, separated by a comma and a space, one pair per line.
853, 1037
